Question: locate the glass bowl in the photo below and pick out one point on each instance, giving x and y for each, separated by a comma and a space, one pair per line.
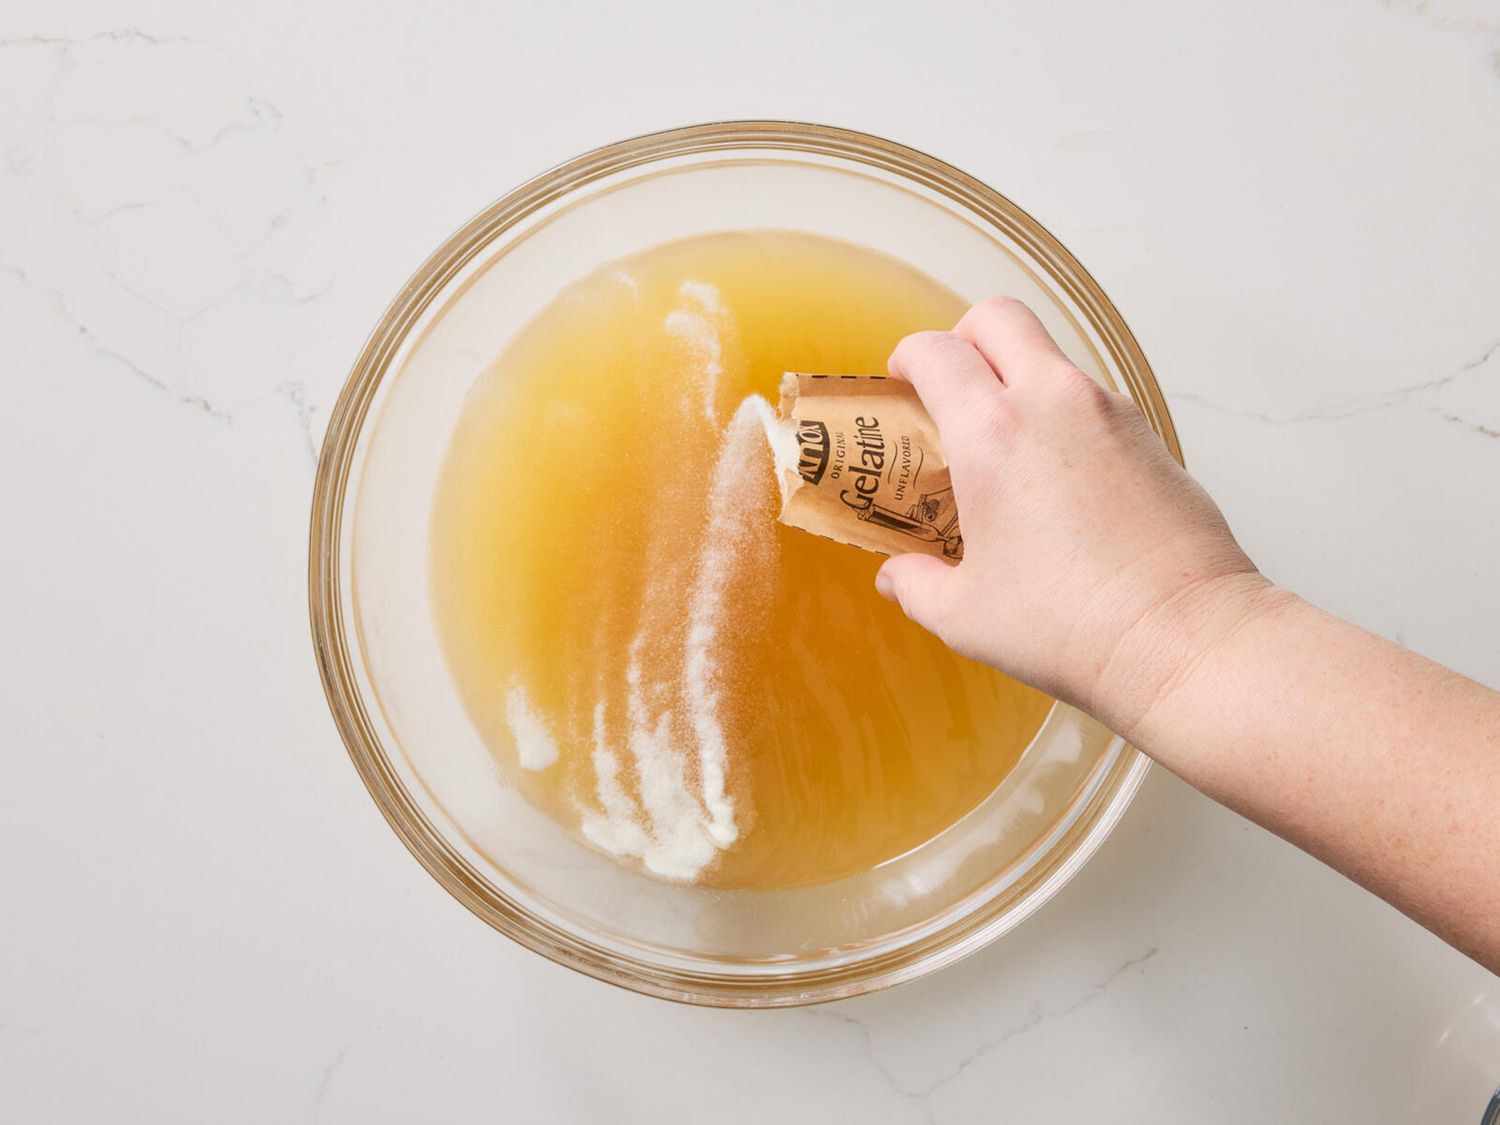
377, 647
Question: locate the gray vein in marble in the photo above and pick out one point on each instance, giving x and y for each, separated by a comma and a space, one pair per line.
254, 113
24, 1028
1486, 24
262, 112
325, 1080
1362, 404
295, 392
19, 157
1486, 431
104, 216
112, 35
101, 348
290, 286
1423, 10
1036, 1015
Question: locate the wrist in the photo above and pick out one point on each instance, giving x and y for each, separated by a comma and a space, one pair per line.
1170, 646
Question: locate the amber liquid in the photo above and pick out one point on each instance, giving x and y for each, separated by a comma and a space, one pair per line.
650, 657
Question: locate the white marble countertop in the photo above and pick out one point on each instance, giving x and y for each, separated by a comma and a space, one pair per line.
204, 208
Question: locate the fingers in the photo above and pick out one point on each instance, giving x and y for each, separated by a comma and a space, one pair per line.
923, 585
1012, 340
950, 375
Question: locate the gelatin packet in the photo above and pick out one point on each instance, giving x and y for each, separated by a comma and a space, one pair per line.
859, 461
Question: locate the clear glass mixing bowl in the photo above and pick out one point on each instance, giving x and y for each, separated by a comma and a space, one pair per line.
377, 647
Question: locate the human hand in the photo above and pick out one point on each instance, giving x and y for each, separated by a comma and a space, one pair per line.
1094, 567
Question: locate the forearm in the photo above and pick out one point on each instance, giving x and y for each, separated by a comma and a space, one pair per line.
1376, 760
1097, 570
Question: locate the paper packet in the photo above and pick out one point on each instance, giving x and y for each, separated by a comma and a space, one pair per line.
866, 468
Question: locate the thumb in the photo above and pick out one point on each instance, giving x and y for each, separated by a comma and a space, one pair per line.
923, 585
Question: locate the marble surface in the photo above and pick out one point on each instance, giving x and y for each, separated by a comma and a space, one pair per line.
204, 208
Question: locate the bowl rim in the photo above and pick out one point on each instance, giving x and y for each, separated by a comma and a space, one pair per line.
335, 654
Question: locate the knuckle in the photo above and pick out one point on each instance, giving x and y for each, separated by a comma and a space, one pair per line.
1122, 405
990, 309
1002, 304
1081, 391
936, 341
1118, 408
923, 345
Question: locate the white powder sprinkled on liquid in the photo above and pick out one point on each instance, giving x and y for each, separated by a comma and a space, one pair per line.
626, 280
535, 746
733, 520
679, 846
675, 831
619, 829
668, 803
698, 321
703, 294
781, 436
